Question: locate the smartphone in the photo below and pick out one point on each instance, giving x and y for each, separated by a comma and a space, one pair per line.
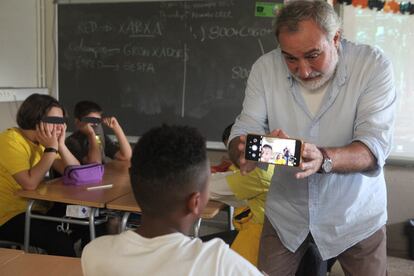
273, 150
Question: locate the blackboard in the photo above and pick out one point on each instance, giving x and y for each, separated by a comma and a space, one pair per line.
148, 63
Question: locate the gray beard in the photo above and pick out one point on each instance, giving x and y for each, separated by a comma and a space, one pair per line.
316, 84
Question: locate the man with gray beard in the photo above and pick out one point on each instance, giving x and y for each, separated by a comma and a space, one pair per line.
338, 97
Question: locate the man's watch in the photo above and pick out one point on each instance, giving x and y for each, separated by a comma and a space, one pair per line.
327, 165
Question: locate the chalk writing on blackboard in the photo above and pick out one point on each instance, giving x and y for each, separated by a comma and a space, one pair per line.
161, 62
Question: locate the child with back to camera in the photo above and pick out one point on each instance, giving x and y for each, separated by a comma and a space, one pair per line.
170, 180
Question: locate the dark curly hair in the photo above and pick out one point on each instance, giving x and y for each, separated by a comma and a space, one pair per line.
34, 108
167, 165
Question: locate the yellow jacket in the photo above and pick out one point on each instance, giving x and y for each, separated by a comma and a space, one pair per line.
253, 188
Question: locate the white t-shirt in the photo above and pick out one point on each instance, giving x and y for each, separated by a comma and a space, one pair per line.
313, 98
174, 254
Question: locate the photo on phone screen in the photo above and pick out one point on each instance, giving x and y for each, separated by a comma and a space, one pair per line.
278, 151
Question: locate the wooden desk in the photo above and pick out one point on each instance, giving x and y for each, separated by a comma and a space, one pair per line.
116, 173
128, 204
24, 264
124, 203
6, 255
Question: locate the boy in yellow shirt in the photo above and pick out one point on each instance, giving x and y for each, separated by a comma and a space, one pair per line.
249, 190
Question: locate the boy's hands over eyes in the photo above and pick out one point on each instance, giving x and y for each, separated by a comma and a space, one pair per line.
111, 122
62, 136
86, 128
46, 135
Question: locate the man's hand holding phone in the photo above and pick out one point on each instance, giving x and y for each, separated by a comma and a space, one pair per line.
275, 148
312, 161
246, 166
311, 157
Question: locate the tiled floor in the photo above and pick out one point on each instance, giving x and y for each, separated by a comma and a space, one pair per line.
396, 267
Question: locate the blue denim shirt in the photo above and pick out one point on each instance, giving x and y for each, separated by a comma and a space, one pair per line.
339, 210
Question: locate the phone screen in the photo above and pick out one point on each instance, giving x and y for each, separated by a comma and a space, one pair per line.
278, 151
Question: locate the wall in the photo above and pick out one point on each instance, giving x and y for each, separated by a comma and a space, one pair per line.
7, 114
400, 186
19, 52
50, 46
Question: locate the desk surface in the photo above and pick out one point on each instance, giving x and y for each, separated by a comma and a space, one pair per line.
6, 255
119, 197
127, 203
116, 173
124, 203
38, 265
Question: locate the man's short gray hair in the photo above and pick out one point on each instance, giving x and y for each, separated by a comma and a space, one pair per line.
296, 11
